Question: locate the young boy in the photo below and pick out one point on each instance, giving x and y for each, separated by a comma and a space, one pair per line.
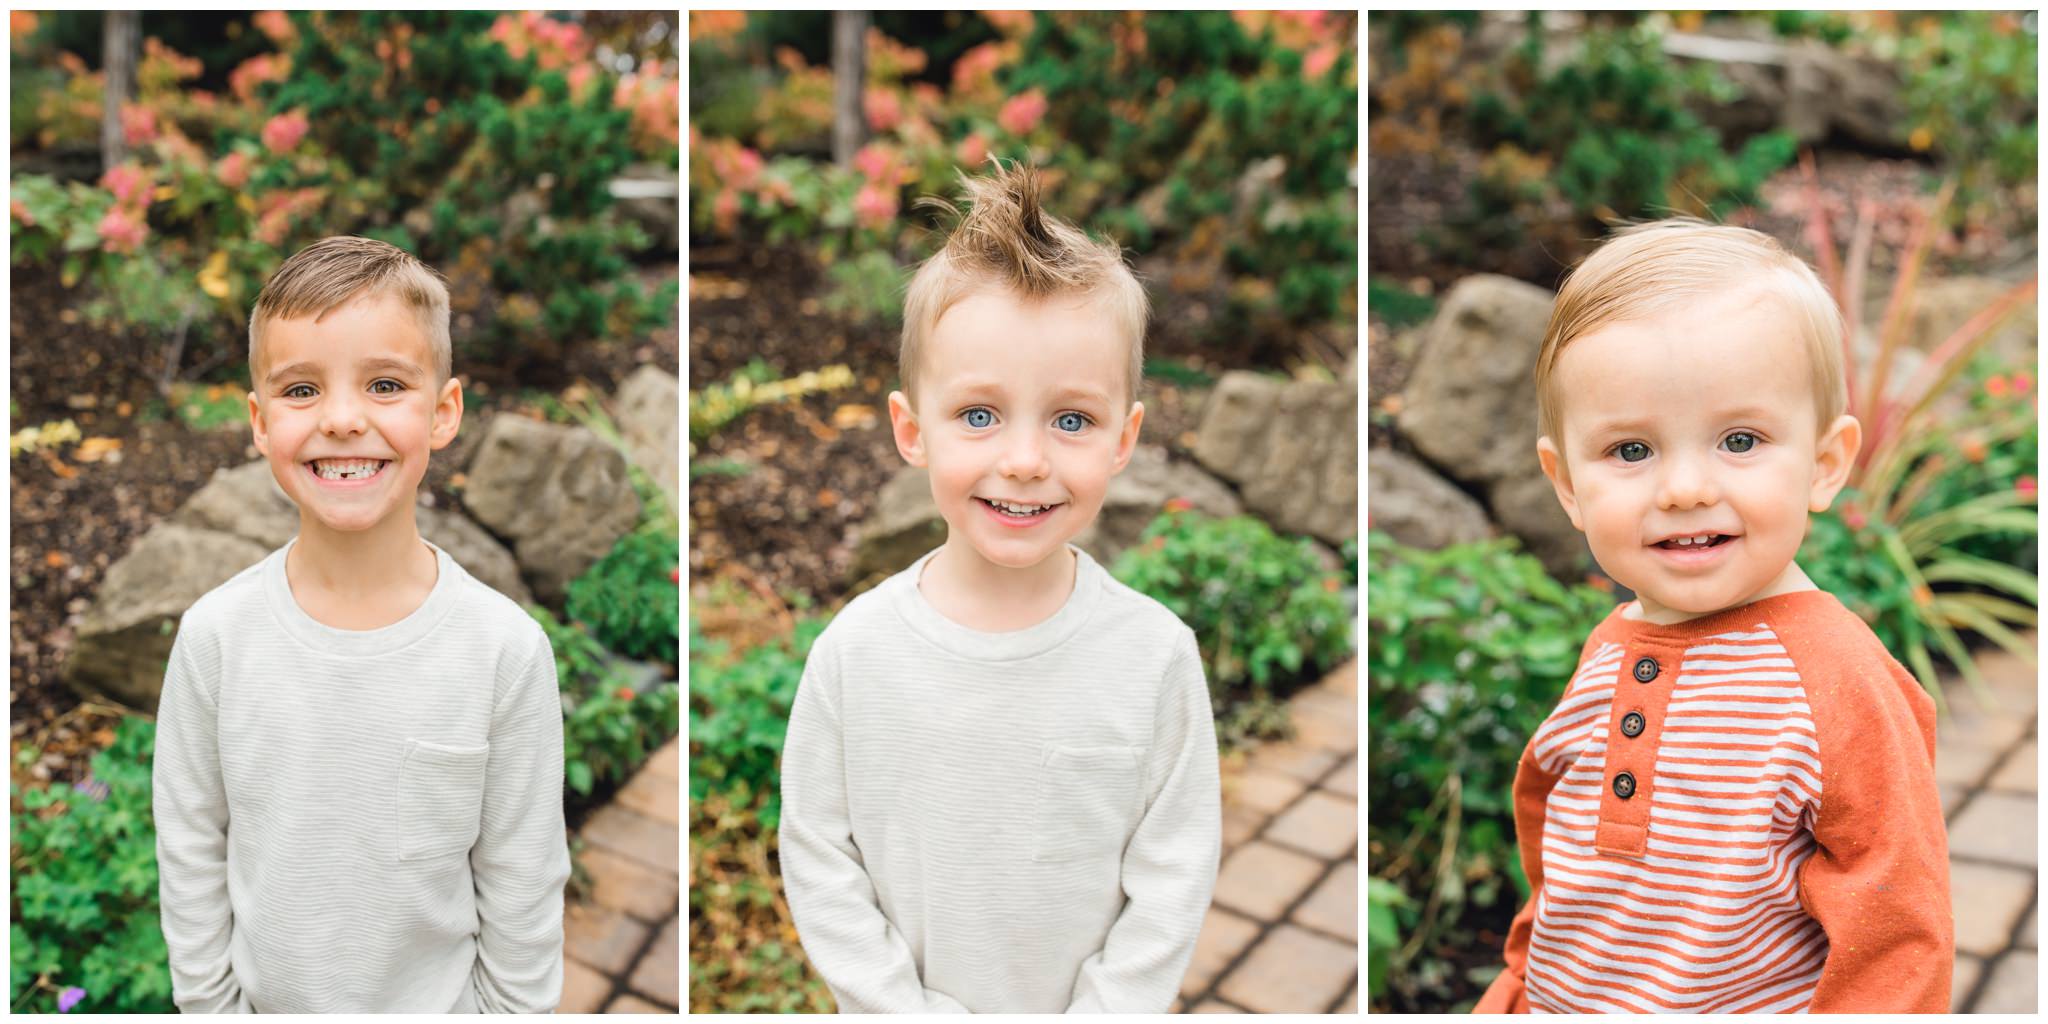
999, 787
358, 768
1733, 807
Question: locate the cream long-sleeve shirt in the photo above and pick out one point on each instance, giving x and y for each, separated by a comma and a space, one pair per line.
360, 821
986, 822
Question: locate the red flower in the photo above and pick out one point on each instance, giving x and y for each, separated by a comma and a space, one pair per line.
2025, 485
2022, 382
675, 575
1319, 61
21, 213
1853, 516
1996, 386
1178, 504
624, 693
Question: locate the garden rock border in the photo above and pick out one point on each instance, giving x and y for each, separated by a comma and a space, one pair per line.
560, 495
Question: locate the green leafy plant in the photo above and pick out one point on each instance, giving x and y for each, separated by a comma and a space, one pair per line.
1468, 649
609, 728
630, 596
85, 915
1971, 94
1885, 505
1263, 610
739, 715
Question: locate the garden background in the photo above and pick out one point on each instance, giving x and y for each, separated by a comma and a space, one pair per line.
163, 166
1220, 151
1894, 152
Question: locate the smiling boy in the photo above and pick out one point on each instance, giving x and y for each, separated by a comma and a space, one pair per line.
359, 746
999, 787
1732, 808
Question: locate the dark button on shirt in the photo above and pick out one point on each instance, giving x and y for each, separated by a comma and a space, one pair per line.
1632, 724
1646, 670
1624, 785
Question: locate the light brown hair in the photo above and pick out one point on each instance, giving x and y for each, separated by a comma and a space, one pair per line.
1646, 268
1008, 241
335, 271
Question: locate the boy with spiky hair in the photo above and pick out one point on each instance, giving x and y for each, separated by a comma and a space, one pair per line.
999, 786
358, 775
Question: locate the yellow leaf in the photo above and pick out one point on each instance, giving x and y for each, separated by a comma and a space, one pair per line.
1920, 140
247, 204
213, 278
93, 449
164, 192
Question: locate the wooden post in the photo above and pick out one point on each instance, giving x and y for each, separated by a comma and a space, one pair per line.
121, 43
849, 84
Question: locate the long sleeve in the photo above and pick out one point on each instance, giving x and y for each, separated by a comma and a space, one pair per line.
1169, 866
1878, 882
862, 956
521, 858
1509, 992
191, 810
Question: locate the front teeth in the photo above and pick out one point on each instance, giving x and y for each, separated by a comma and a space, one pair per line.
1021, 510
1687, 542
346, 469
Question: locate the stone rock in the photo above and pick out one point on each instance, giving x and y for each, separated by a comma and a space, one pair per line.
905, 523
646, 416
1469, 406
1526, 506
1940, 306
1803, 87
245, 501
646, 195
124, 639
1415, 506
558, 493
1292, 448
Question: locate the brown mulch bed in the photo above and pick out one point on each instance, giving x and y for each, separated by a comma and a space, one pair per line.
814, 466
72, 519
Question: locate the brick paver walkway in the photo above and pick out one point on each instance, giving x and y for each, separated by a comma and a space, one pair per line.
1282, 933
1984, 761
622, 951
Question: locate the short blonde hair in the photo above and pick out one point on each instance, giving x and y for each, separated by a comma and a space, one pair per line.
1007, 241
336, 271
1646, 268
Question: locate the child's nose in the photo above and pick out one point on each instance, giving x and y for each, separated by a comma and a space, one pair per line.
1024, 457
1686, 483
341, 414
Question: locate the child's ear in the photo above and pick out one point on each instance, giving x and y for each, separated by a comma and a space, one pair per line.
256, 425
903, 423
1560, 479
1127, 442
447, 414
1833, 458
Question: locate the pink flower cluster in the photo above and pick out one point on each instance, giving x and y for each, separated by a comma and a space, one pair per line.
264, 67
275, 24
976, 69
554, 43
232, 169
655, 102
884, 111
282, 133
1022, 112
125, 225
878, 200
138, 124
2016, 385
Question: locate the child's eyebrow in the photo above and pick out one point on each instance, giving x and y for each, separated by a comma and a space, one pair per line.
1747, 412
988, 387
312, 369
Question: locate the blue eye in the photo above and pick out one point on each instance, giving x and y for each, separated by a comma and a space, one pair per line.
1746, 439
1623, 449
985, 417
1072, 422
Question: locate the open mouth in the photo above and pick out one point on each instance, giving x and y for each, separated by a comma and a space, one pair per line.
346, 470
1694, 543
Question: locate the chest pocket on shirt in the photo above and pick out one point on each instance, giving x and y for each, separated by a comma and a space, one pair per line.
440, 799
1087, 802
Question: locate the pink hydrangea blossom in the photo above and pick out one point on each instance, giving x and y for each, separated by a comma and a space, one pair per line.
883, 108
232, 169
20, 212
972, 151
130, 184
2025, 485
122, 230
283, 132
877, 163
275, 24
875, 206
725, 210
138, 125
1022, 112
1318, 61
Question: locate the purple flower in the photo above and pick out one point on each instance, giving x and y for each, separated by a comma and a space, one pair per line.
91, 787
69, 998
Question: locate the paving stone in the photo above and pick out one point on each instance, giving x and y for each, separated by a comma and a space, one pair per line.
2014, 985
1292, 971
650, 842
2015, 685
623, 883
1970, 724
1320, 823
1343, 679
1241, 823
1264, 790
1344, 779
583, 990
1215, 1006
655, 978
1951, 795
653, 794
1224, 935
1967, 970
1961, 765
601, 937
1997, 826
1304, 762
1326, 720
634, 1004
1350, 1003
2021, 772
1260, 880
1333, 907
2028, 938
666, 762
1987, 901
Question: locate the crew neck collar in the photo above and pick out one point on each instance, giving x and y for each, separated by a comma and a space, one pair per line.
360, 642
948, 635
1740, 617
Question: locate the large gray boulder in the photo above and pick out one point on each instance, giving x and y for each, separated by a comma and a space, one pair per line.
645, 410
905, 523
1415, 506
1290, 446
559, 494
1469, 408
1803, 87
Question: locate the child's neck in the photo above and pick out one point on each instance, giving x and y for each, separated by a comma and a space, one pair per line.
976, 593
360, 580
1792, 580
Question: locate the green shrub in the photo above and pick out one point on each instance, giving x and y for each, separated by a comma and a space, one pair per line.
631, 596
1263, 609
85, 887
739, 715
1469, 649
608, 729
1971, 95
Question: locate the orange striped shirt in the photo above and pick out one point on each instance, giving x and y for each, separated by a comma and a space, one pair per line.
1732, 814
